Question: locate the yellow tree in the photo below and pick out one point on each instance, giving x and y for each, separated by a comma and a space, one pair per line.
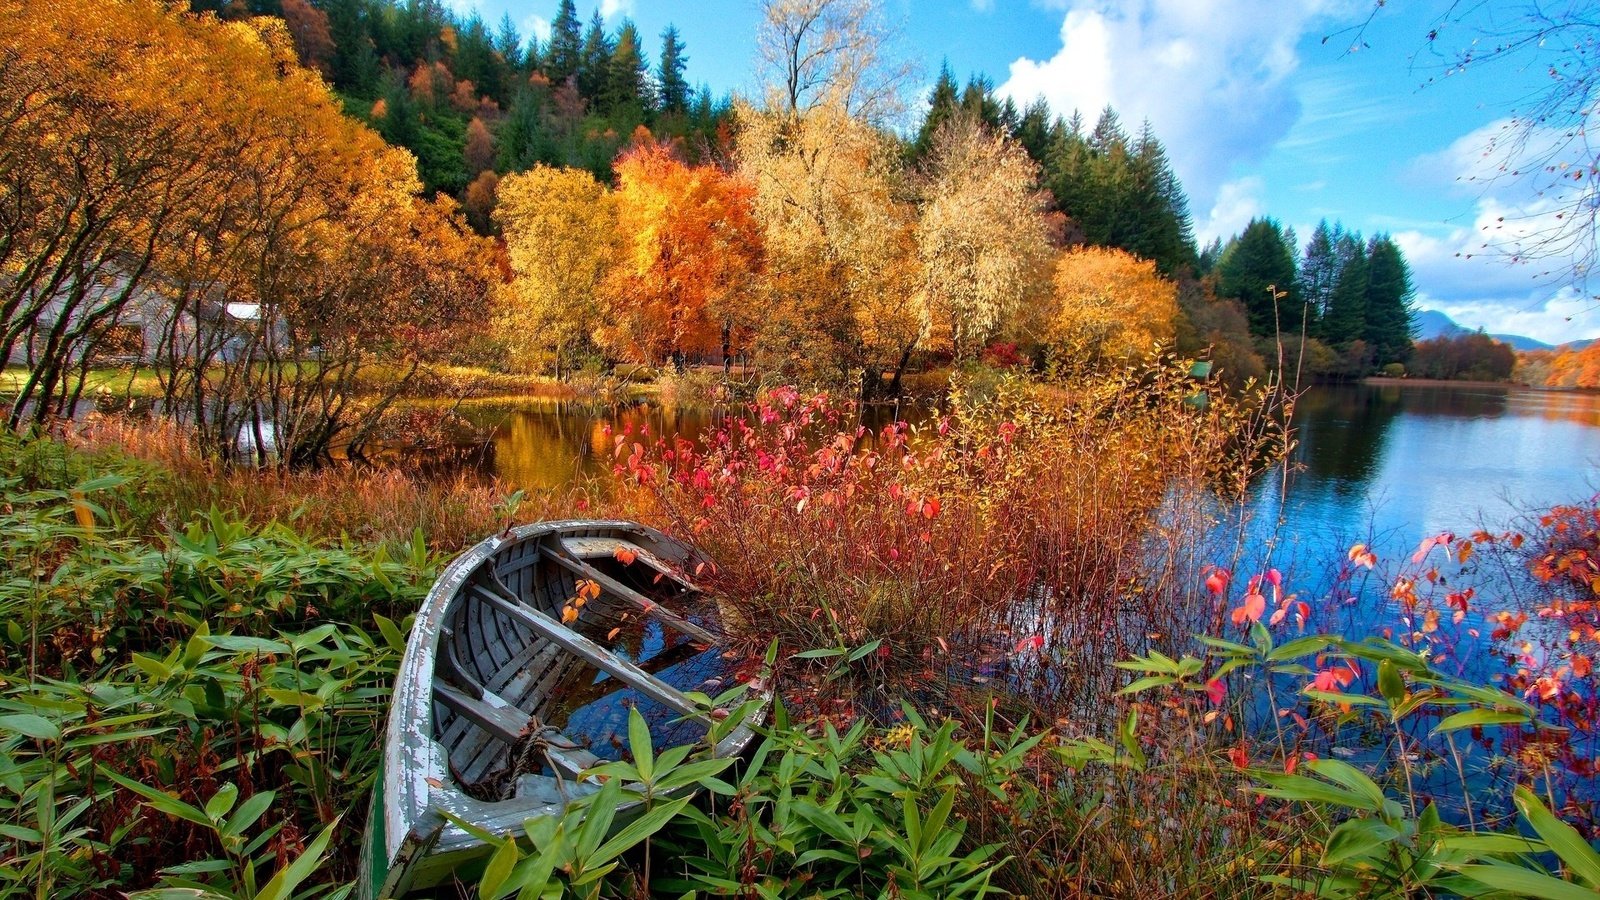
689, 246
841, 264
1110, 304
982, 236
560, 233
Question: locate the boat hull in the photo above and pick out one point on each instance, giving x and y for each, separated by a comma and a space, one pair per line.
499, 650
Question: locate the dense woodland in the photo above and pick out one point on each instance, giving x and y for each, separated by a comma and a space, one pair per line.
475, 104
387, 187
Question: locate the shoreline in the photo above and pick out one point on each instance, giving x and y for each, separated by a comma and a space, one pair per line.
1383, 381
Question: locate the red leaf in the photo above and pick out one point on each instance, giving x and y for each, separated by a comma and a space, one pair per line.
1216, 690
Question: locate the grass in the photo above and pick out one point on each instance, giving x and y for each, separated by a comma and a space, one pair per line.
141, 382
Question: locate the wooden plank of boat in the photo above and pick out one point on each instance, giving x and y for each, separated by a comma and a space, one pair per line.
639, 601
478, 676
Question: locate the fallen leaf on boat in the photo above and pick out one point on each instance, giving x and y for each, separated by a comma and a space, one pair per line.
612, 634
625, 556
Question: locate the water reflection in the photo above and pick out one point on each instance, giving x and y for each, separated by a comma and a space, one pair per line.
545, 445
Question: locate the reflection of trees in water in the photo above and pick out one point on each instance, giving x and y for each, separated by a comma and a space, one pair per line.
1341, 432
550, 445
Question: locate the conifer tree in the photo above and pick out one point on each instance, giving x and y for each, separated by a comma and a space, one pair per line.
1319, 270
565, 50
1253, 266
942, 105
674, 89
1159, 228
1388, 328
1347, 306
628, 80
508, 43
1033, 130
594, 63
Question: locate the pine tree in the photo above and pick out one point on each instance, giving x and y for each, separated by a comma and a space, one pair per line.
594, 64
1253, 266
524, 138
1067, 164
942, 105
564, 53
1159, 229
1319, 270
674, 89
1346, 321
1388, 331
1033, 130
508, 43
355, 64
628, 79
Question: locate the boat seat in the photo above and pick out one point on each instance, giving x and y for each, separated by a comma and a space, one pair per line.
490, 712
609, 547
639, 601
509, 724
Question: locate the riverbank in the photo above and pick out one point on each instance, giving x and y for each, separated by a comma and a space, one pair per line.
1382, 381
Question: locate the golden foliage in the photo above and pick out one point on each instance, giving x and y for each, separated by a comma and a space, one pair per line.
560, 232
689, 248
982, 237
1109, 303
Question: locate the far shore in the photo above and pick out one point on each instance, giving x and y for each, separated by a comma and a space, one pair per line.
1382, 381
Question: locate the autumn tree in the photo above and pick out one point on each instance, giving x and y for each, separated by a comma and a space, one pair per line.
841, 289
560, 233
981, 235
313, 40
689, 245
1110, 304
222, 198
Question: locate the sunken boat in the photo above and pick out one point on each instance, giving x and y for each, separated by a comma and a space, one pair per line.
519, 675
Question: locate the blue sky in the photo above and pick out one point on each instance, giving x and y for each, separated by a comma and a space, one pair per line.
1259, 115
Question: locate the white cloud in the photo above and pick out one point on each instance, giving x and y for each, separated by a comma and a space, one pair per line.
1473, 271
1237, 203
612, 8
983, 5
1212, 76
537, 26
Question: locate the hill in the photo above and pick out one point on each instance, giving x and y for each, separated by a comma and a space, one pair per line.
1431, 323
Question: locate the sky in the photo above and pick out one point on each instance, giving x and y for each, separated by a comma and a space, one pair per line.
1259, 113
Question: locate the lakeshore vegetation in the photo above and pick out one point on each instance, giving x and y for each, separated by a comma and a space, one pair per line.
1014, 661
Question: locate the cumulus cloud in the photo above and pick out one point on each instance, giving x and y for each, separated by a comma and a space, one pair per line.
611, 8
1212, 76
537, 26
1236, 204
1481, 273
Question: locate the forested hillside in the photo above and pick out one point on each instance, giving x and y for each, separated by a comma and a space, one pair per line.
473, 102
476, 103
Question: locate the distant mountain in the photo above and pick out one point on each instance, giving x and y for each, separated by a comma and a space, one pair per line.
1432, 323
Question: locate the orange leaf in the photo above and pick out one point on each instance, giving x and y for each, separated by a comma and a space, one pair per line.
569, 614
625, 556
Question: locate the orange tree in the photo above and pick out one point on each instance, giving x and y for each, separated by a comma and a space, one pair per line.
689, 246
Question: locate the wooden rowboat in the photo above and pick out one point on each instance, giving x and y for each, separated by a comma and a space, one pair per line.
519, 674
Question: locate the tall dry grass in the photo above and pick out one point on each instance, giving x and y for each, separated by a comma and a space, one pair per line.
369, 504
